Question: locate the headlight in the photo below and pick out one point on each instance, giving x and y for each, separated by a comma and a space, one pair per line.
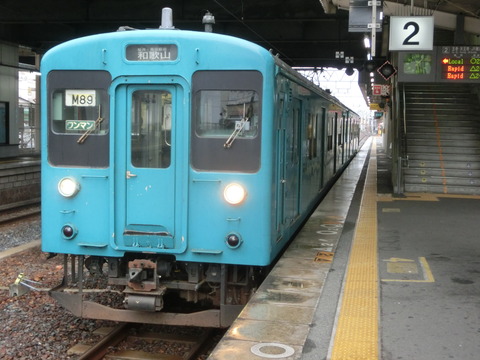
234, 193
68, 187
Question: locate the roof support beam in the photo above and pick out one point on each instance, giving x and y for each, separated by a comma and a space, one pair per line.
443, 20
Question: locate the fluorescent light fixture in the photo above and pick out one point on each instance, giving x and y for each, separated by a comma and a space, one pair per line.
366, 42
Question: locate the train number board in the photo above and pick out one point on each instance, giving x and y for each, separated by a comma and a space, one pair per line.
411, 33
80, 97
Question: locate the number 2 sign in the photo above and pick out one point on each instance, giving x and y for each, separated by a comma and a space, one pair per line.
411, 33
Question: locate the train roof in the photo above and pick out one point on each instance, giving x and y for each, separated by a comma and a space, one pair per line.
229, 47
95, 51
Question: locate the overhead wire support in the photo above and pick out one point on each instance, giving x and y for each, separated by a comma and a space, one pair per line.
374, 25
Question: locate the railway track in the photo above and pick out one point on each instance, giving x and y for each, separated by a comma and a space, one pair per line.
19, 213
129, 341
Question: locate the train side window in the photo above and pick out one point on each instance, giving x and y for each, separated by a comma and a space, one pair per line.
330, 134
312, 135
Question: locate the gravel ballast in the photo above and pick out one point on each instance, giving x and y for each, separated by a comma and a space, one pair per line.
34, 326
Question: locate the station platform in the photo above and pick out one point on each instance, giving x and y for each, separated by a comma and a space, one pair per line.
19, 181
370, 276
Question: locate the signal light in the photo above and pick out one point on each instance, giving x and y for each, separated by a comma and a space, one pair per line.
349, 71
387, 70
370, 66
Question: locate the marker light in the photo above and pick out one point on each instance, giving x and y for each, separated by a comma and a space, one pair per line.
233, 240
234, 193
68, 187
69, 231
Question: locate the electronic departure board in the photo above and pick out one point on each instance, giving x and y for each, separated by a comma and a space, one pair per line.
444, 64
459, 63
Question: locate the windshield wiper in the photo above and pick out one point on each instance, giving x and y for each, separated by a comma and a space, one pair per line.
99, 120
239, 125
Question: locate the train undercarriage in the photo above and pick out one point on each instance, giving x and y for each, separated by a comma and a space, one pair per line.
156, 290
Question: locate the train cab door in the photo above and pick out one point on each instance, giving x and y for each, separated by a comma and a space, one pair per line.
145, 167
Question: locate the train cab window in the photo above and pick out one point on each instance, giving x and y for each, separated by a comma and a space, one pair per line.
75, 111
78, 118
151, 128
226, 120
221, 112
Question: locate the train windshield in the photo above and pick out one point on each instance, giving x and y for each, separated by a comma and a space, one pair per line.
78, 113
226, 120
220, 112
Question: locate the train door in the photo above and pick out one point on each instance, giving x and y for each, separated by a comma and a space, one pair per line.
281, 135
348, 145
335, 143
323, 143
343, 137
145, 167
292, 153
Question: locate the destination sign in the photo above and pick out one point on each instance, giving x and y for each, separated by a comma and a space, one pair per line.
460, 63
147, 52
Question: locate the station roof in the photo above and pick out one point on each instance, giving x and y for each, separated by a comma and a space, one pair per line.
304, 33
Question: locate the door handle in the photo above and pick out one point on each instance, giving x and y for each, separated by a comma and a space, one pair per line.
130, 175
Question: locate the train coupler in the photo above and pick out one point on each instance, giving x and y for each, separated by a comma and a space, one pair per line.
152, 301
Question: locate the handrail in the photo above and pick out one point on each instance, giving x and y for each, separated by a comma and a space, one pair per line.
404, 138
404, 111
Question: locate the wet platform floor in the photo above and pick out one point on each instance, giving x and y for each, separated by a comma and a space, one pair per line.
411, 292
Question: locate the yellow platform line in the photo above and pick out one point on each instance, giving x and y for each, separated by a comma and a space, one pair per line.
356, 334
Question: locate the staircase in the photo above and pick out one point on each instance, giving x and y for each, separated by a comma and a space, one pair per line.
443, 139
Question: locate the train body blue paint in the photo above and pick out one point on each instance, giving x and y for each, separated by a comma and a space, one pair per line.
180, 162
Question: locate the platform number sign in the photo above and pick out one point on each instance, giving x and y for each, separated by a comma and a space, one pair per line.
411, 33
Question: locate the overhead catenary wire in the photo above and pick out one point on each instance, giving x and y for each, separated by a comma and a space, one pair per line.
241, 20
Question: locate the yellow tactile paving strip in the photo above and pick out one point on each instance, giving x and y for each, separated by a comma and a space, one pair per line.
356, 334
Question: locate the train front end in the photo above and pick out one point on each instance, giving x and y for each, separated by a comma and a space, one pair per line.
156, 175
